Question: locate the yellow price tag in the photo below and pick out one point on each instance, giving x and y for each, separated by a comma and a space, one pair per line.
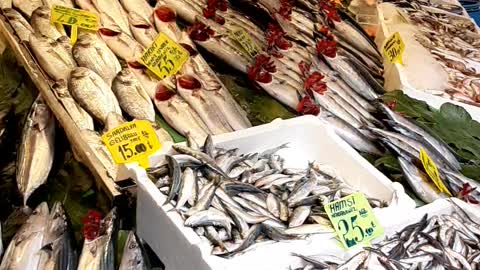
353, 220
76, 18
164, 57
393, 49
242, 37
432, 171
132, 141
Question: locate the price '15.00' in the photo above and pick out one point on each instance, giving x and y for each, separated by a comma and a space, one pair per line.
127, 152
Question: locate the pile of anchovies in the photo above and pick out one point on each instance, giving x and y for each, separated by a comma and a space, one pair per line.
439, 242
235, 199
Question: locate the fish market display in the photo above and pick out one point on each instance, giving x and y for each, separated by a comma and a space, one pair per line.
43, 242
448, 241
232, 199
37, 147
452, 40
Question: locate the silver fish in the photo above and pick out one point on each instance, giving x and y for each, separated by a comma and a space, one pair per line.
133, 99
141, 7
27, 7
21, 26
115, 11
41, 24
142, 29
93, 93
210, 217
133, 257
164, 18
79, 116
100, 150
187, 187
22, 252
35, 156
91, 52
52, 56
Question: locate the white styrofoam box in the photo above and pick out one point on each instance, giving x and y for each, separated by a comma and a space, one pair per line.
426, 74
393, 223
180, 248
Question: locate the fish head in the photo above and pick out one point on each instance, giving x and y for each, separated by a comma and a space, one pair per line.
41, 12
326, 47
41, 210
85, 39
164, 13
60, 89
138, 21
200, 31
163, 92
261, 69
12, 14
109, 27
188, 82
41, 41
80, 73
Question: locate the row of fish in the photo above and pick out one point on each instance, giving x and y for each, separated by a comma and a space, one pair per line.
453, 41
448, 241
235, 200
45, 241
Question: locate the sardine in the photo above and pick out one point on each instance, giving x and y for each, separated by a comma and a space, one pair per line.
37, 148
52, 56
41, 24
91, 52
133, 99
93, 93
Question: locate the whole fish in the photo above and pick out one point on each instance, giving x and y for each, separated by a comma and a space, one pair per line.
80, 117
100, 150
133, 99
21, 26
142, 29
120, 42
98, 253
23, 250
91, 52
93, 93
27, 7
115, 11
165, 20
420, 183
52, 56
58, 251
41, 24
181, 116
191, 89
141, 7
404, 123
37, 148
133, 257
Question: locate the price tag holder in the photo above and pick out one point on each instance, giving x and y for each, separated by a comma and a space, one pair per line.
432, 171
353, 220
393, 48
164, 57
242, 37
76, 18
132, 141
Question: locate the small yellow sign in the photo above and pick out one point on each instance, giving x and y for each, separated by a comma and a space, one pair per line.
353, 220
76, 18
393, 48
432, 171
242, 37
132, 141
164, 57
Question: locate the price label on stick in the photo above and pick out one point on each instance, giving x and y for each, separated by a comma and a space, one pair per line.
353, 220
76, 18
432, 171
132, 141
393, 48
242, 37
164, 57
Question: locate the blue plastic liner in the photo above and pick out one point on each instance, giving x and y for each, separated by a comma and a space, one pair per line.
473, 9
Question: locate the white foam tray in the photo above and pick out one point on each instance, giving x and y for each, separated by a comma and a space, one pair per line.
393, 223
396, 77
180, 248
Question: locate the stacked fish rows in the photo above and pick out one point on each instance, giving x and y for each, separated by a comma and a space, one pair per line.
436, 242
453, 41
234, 200
45, 242
101, 75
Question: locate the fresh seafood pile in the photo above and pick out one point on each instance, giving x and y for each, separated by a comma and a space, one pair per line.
453, 41
448, 241
234, 200
100, 79
43, 242
405, 139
